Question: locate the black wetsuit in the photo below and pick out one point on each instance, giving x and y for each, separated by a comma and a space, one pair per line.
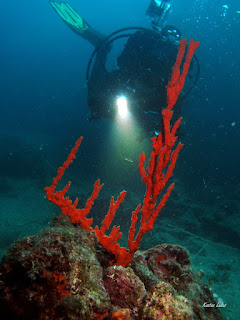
144, 69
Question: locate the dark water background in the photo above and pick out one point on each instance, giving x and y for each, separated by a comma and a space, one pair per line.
43, 68
43, 104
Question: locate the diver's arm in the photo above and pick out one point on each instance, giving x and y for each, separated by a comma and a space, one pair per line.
78, 24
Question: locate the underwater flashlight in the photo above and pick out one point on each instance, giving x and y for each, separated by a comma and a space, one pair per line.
122, 106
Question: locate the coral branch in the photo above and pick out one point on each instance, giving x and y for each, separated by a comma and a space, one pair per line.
176, 83
163, 158
161, 165
109, 242
65, 204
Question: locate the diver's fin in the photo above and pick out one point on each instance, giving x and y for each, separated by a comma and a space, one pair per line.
70, 16
77, 23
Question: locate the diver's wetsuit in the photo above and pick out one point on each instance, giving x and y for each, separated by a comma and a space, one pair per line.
144, 69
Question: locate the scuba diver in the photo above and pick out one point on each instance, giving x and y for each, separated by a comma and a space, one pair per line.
137, 82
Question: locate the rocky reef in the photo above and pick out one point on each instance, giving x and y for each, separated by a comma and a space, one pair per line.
63, 273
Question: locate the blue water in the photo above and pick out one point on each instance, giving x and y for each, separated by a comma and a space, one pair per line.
43, 104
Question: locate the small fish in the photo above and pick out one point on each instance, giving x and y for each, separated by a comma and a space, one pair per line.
128, 160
